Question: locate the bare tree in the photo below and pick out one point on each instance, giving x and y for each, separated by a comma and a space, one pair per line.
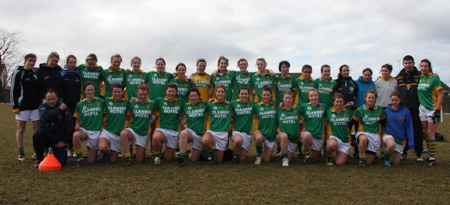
9, 55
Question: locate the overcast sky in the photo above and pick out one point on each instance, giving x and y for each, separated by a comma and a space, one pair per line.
358, 33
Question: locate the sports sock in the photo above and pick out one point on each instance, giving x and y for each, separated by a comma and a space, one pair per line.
79, 152
431, 144
362, 157
127, 155
387, 157
212, 154
259, 147
307, 151
20, 150
70, 147
183, 155
156, 153
284, 155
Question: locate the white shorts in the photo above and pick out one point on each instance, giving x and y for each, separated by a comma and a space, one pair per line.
269, 144
246, 139
398, 148
113, 139
171, 137
92, 138
426, 114
140, 140
28, 115
196, 140
373, 141
292, 147
220, 139
342, 147
316, 144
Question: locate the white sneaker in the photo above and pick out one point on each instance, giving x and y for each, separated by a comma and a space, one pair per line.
21, 157
69, 153
285, 162
74, 155
258, 160
157, 161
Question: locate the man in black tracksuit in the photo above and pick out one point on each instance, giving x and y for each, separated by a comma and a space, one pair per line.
56, 128
407, 82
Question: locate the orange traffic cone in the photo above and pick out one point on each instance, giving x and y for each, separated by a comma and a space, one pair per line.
50, 163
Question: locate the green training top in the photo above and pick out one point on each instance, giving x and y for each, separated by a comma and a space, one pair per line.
427, 91
338, 123
90, 114
313, 117
133, 80
195, 116
327, 89
302, 86
116, 112
110, 78
241, 80
259, 80
141, 114
94, 76
183, 87
226, 80
289, 122
219, 116
157, 83
369, 119
242, 115
283, 85
169, 113
267, 120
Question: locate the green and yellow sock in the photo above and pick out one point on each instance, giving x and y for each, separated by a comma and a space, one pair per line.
284, 155
307, 151
127, 155
156, 153
259, 148
20, 150
387, 157
212, 154
362, 157
70, 146
79, 152
183, 155
431, 144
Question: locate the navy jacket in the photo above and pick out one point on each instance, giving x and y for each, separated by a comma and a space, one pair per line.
56, 122
407, 88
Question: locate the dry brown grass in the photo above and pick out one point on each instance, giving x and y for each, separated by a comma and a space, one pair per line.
268, 183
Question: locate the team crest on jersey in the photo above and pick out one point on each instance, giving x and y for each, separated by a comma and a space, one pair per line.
238, 105
417, 80
200, 105
333, 115
428, 81
282, 114
110, 103
320, 107
215, 107
273, 107
165, 103
295, 112
217, 78
257, 79
309, 108
154, 74
136, 106
261, 108
98, 104
301, 83
196, 77
189, 108
130, 76
351, 89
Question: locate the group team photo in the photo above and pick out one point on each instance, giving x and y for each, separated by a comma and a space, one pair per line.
128, 115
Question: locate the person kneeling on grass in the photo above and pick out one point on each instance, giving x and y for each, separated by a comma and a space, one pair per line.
89, 114
56, 128
169, 111
399, 128
141, 114
338, 118
219, 122
370, 117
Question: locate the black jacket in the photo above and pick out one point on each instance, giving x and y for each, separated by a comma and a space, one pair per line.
407, 88
25, 90
49, 78
56, 122
71, 89
347, 87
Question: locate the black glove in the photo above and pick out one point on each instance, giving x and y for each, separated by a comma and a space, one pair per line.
436, 116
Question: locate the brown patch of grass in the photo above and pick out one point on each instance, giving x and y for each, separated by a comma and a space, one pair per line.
226, 183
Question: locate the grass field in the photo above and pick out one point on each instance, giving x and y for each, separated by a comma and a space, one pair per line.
269, 183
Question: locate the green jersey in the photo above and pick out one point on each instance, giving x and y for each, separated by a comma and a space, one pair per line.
111, 77
219, 116
195, 116
183, 87
157, 83
302, 86
92, 75
225, 79
133, 80
116, 112
338, 123
289, 122
327, 89
267, 120
242, 115
141, 114
241, 80
169, 113
259, 80
313, 117
283, 84
90, 113
369, 119
427, 91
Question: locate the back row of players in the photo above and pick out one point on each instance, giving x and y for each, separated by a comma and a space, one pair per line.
282, 106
